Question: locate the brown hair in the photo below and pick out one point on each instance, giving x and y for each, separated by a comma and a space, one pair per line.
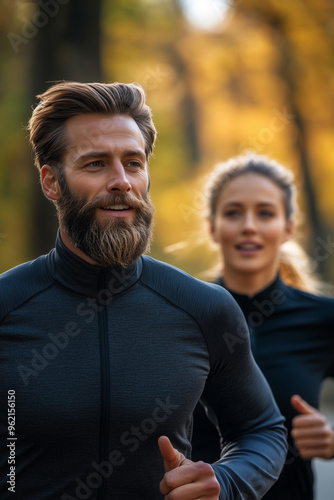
66, 99
295, 266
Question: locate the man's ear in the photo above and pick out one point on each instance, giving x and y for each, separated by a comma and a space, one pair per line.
49, 183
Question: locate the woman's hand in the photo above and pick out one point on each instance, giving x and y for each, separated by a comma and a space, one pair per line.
312, 433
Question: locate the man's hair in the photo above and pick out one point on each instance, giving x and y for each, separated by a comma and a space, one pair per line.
67, 99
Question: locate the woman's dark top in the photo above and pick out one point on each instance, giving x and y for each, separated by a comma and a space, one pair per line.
292, 341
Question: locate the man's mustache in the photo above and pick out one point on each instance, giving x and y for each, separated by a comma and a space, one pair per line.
115, 199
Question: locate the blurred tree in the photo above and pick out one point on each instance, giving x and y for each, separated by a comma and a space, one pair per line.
285, 20
261, 79
14, 177
65, 46
144, 43
188, 103
154, 32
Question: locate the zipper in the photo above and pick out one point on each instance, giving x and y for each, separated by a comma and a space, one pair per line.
105, 388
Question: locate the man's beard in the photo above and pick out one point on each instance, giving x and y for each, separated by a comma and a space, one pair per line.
113, 242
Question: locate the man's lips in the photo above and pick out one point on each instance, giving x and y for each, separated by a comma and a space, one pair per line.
116, 208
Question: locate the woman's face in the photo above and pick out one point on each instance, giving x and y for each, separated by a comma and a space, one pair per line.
250, 225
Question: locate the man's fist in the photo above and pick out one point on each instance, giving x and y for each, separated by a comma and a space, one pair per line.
186, 479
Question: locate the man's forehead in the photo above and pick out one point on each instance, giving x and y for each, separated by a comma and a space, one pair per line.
100, 123
86, 131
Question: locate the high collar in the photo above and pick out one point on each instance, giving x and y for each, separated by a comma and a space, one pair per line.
86, 279
250, 303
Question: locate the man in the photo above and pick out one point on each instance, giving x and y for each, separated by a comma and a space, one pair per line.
105, 352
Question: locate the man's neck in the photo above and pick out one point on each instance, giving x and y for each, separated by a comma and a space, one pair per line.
74, 249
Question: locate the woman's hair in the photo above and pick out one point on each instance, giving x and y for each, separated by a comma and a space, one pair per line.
295, 266
67, 99
251, 164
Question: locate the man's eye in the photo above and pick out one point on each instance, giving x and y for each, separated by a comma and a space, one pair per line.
96, 163
133, 163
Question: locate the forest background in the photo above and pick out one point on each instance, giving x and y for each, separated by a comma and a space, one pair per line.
222, 78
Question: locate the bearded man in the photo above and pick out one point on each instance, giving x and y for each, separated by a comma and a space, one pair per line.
105, 352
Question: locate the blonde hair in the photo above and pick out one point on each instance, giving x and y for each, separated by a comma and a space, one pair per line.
295, 266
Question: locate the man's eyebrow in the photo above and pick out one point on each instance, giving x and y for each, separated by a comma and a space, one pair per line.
91, 154
135, 152
105, 154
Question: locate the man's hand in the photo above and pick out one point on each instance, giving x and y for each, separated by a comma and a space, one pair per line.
313, 435
186, 479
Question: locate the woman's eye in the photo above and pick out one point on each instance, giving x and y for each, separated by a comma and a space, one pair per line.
266, 214
231, 213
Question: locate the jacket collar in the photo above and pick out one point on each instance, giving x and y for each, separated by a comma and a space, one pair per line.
249, 304
81, 277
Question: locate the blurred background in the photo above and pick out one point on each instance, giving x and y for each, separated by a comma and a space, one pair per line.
222, 77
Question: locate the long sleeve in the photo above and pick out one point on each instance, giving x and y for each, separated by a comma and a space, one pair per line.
253, 434
121, 358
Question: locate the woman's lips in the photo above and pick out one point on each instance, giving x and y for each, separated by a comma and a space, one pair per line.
248, 248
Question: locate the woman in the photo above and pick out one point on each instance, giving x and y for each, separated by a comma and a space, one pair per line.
251, 202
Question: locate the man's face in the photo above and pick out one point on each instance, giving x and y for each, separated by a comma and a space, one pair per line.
104, 207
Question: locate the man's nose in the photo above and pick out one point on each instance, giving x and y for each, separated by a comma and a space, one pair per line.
117, 179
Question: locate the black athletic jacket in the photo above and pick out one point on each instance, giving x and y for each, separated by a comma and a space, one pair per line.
97, 363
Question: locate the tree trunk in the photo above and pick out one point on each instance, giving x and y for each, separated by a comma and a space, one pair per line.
288, 62
66, 46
